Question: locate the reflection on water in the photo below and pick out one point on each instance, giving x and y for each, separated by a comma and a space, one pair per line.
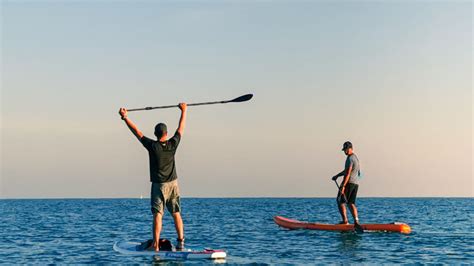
349, 240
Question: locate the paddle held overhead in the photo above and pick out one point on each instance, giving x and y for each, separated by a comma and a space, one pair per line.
242, 98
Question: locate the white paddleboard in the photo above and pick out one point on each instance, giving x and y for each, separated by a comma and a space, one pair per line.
134, 249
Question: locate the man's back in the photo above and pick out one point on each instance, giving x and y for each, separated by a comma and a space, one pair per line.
353, 161
161, 156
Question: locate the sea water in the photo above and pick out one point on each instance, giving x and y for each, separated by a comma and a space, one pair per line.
81, 231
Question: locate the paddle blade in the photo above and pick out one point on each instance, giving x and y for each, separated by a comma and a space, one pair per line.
242, 98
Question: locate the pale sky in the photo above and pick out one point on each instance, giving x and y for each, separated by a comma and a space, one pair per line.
393, 77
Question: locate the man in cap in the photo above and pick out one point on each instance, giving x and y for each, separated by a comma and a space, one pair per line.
348, 189
164, 187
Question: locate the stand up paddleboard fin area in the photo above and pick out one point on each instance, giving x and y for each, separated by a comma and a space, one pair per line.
295, 224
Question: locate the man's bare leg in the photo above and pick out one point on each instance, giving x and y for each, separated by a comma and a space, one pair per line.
357, 226
343, 212
178, 224
353, 209
157, 219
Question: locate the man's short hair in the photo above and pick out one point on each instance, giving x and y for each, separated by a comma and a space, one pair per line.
160, 130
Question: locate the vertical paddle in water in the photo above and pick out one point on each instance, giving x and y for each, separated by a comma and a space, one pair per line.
357, 226
240, 99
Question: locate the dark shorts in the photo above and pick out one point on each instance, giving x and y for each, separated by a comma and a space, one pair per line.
350, 194
165, 194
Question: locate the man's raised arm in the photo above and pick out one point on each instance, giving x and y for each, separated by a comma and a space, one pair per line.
182, 120
130, 124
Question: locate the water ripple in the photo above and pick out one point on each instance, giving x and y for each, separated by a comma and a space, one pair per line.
82, 231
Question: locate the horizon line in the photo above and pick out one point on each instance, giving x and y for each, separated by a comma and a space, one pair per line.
247, 197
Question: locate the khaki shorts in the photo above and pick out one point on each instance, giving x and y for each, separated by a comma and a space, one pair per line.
165, 194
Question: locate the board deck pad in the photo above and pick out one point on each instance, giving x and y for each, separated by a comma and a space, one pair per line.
295, 224
134, 249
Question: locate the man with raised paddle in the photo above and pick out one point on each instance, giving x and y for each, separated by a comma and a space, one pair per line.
164, 187
347, 193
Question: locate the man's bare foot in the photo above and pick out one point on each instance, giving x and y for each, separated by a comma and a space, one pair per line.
154, 247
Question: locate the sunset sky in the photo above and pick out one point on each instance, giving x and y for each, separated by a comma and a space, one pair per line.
393, 77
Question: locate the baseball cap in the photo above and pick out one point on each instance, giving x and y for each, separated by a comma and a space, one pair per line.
346, 145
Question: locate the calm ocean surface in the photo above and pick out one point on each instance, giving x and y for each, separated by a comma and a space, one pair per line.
84, 230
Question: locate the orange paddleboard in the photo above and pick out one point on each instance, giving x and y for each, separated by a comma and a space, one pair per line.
295, 224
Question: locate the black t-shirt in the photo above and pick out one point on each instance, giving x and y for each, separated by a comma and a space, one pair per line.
161, 154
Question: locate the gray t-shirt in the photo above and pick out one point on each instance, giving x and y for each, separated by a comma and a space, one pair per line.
353, 161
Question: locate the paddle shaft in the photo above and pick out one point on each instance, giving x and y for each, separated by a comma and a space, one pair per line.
174, 106
335, 181
242, 98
